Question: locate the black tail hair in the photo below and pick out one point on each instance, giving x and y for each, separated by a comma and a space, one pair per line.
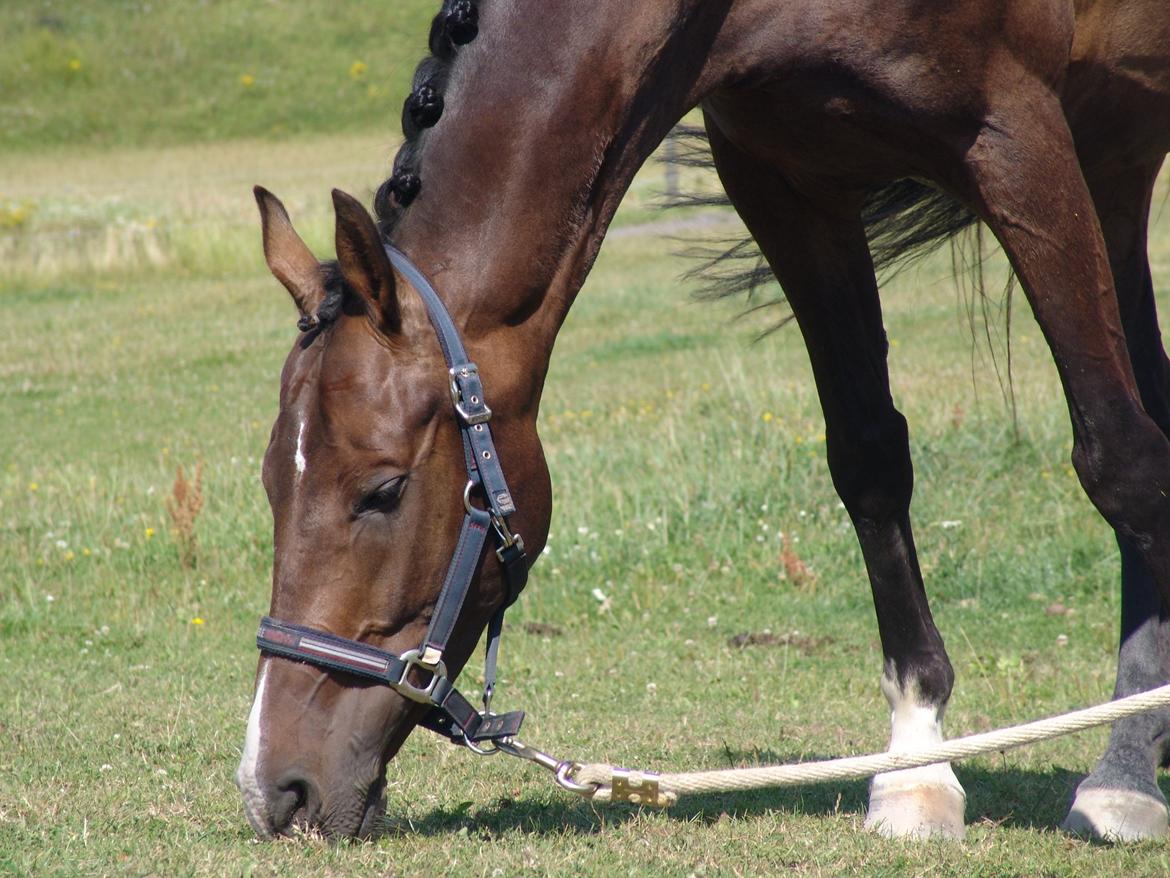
904, 221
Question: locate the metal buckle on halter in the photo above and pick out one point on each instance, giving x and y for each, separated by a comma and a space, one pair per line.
484, 414
414, 658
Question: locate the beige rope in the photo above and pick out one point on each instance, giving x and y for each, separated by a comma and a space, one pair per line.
652, 789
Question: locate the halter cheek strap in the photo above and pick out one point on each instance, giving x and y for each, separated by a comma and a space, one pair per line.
420, 674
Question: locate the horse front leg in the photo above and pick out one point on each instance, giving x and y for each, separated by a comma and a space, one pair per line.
1120, 799
820, 255
1033, 195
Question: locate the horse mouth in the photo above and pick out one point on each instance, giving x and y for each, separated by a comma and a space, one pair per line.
297, 810
374, 813
361, 817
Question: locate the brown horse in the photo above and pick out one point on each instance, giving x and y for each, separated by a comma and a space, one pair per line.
1047, 119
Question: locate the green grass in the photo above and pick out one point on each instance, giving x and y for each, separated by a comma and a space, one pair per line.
142, 332
127, 72
679, 448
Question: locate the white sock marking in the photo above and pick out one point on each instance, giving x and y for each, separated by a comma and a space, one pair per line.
914, 726
896, 809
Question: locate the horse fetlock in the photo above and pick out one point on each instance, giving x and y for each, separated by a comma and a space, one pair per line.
1117, 815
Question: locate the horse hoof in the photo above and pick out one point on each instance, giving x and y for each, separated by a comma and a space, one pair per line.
1117, 815
916, 810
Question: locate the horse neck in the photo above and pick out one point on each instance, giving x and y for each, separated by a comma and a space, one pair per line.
549, 113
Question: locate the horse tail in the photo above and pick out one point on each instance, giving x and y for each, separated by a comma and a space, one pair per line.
908, 219
904, 221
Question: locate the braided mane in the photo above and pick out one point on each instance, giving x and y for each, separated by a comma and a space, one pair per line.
456, 24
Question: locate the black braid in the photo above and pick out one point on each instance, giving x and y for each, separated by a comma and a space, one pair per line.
462, 22
331, 305
405, 187
424, 106
456, 24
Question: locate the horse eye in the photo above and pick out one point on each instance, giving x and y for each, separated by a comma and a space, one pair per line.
382, 498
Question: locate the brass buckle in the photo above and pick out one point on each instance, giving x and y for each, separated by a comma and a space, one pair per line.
637, 788
414, 658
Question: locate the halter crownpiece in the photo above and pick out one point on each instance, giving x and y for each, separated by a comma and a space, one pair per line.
451, 713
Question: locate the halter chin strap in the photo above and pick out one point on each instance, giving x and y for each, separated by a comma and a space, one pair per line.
420, 674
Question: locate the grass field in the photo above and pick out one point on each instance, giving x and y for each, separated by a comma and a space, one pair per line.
143, 332
123, 72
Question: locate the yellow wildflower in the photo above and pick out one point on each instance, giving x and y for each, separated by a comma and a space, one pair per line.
197, 621
33, 486
357, 69
150, 533
75, 64
767, 417
247, 80
69, 556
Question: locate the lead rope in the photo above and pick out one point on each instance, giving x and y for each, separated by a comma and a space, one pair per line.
602, 783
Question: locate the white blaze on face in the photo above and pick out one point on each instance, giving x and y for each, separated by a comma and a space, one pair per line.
299, 456
246, 775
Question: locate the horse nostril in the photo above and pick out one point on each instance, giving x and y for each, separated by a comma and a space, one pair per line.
292, 803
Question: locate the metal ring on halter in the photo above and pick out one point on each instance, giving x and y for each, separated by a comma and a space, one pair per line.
566, 782
467, 489
480, 751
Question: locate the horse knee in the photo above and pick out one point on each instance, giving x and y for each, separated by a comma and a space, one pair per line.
871, 467
1126, 475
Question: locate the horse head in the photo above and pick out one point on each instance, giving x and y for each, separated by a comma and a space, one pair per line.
364, 472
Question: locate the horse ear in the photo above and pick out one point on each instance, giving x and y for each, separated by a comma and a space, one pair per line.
289, 259
363, 260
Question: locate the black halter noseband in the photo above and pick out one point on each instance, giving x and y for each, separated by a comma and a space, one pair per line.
451, 714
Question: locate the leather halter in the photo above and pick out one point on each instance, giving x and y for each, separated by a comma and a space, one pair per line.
451, 714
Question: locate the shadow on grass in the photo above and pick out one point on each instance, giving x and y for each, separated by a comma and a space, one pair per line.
569, 815
1024, 798
1020, 798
